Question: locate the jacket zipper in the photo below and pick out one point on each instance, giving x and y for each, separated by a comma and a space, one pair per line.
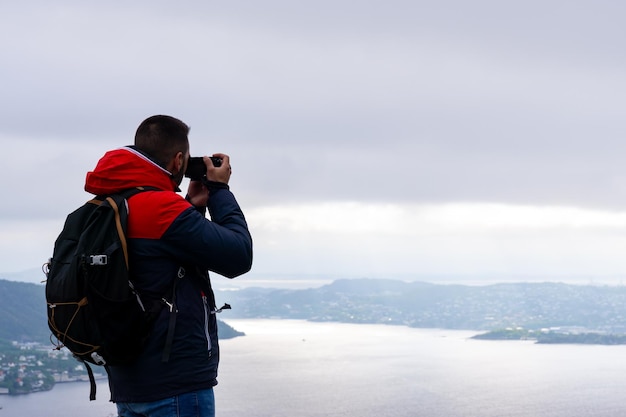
206, 321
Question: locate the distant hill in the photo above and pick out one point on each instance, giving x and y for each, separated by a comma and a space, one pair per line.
23, 312
425, 305
23, 315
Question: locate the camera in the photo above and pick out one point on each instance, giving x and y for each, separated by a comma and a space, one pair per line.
196, 169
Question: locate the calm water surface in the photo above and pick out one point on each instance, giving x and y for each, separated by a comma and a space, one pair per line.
295, 368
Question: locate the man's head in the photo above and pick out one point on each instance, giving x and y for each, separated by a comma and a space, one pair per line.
165, 139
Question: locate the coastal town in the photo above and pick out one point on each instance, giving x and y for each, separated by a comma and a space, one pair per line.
32, 367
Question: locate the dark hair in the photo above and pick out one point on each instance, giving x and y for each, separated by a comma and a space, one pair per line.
162, 137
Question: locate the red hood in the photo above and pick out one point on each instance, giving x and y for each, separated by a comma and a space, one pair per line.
125, 168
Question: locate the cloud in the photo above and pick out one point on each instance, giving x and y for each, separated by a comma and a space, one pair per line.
389, 240
465, 239
413, 113
424, 220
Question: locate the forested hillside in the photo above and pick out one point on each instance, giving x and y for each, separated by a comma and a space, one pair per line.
23, 312
23, 316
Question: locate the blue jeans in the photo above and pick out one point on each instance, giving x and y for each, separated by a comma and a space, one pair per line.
192, 404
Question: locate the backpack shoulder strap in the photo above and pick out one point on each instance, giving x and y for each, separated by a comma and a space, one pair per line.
128, 193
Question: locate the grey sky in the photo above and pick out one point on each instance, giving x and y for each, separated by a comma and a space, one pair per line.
377, 103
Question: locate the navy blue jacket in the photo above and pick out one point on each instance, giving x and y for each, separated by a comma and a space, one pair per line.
169, 238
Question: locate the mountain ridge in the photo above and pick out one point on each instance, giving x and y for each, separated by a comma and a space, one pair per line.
452, 306
415, 304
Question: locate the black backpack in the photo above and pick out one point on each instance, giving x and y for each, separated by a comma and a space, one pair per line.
93, 308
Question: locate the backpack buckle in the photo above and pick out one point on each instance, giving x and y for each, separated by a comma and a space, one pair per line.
99, 360
98, 260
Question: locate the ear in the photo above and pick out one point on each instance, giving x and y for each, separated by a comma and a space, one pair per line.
180, 161
176, 163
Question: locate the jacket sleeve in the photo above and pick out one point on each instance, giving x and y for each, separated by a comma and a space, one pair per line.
222, 245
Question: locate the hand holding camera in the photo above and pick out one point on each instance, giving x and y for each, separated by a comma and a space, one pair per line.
214, 168
218, 168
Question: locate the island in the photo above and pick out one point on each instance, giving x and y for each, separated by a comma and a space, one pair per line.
554, 336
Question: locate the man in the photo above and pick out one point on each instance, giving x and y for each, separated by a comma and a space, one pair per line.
171, 247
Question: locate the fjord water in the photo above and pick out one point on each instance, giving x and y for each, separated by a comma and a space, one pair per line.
296, 368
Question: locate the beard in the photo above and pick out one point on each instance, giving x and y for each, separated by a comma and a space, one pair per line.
178, 177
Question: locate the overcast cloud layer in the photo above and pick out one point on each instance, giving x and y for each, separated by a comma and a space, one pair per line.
406, 125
